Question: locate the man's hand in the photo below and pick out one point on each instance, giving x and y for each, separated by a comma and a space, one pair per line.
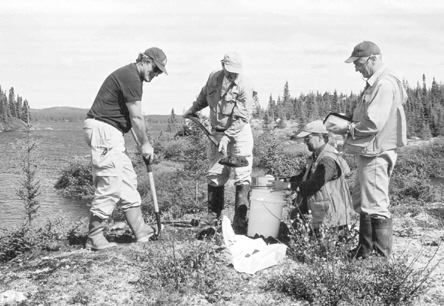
188, 114
147, 151
339, 129
223, 145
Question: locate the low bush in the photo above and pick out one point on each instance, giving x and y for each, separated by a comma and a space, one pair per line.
270, 154
176, 193
198, 267
411, 179
371, 282
75, 180
50, 236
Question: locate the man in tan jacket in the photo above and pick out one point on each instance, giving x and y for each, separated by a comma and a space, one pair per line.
377, 129
230, 104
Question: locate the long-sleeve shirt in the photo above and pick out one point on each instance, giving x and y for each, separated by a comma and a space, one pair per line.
327, 170
230, 103
379, 120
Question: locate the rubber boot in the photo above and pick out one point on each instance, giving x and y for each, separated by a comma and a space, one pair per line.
215, 206
382, 235
208, 224
241, 205
142, 231
96, 241
365, 246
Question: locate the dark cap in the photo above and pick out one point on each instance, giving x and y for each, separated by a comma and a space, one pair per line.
158, 56
363, 49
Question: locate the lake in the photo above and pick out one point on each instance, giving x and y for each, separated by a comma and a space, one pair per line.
57, 146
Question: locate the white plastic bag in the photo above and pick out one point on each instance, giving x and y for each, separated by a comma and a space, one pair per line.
250, 255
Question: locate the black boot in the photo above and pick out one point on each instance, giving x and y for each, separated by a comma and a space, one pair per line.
365, 246
382, 235
241, 205
215, 205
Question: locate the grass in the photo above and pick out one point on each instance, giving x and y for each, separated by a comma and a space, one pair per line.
49, 264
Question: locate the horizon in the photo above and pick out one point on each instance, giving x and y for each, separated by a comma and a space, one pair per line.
58, 53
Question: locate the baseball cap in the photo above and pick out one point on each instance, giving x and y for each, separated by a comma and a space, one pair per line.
232, 62
314, 127
363, 49
158, 56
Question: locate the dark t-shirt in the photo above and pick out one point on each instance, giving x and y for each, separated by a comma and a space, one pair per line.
120, 87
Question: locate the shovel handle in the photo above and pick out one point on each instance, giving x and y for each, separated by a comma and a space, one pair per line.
147, 162
149, 169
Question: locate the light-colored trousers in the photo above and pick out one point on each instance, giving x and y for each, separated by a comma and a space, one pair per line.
371, 190
113, 173
241, 145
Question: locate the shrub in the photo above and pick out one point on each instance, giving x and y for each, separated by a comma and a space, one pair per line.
75, 181
328, 277
197, 267
372, 282
411, 180
175, 193
270, 155
50, 236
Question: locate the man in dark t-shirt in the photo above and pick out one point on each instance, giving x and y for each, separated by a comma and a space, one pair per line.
116, 110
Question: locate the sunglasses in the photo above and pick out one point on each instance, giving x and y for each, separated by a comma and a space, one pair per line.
358, 63
157, 69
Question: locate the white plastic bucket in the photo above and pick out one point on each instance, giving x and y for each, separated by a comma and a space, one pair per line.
265, 211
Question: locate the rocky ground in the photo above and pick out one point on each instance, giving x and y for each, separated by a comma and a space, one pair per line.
144, 274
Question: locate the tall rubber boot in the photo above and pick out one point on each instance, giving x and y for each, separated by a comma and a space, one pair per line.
96, 241
241, 205
209, 224
365, 246
215, 205
142, 231
382, 235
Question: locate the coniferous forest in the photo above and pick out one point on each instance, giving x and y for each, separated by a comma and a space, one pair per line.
424, 108
13, 106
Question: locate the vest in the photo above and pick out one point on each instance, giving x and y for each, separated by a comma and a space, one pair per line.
332, 204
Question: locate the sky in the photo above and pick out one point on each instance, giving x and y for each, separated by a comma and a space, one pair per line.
58, 52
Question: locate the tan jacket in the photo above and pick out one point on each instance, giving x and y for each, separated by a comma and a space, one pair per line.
332, 204
230, 105
379, 122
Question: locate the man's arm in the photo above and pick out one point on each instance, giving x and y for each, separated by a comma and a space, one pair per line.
241, 112
200, 103
139, 128
377, 113
327, 170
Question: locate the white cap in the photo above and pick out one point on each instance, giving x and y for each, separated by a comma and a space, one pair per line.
314, 127
232, 62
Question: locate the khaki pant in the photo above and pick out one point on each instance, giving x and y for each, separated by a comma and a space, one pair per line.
112, 170
242, 145
371, 191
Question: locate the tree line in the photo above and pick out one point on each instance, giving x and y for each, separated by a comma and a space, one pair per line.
424, 108
13, 106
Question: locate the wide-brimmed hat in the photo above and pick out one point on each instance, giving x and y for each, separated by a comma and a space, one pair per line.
232, 62
158, 56
363, 49
314, 127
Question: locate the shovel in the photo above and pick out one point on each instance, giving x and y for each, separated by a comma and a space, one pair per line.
149, 169
230, 161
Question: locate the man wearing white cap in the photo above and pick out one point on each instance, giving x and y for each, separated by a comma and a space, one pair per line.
377, 129
230, 103
322, 187
116, 110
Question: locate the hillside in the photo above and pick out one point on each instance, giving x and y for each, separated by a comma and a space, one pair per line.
73, 114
